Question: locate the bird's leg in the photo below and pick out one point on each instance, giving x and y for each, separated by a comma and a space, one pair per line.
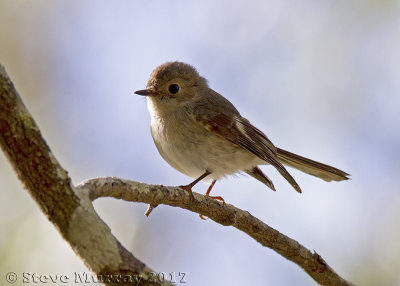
188, 188
207, 194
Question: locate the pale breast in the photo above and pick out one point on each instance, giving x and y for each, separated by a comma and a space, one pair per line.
191, 149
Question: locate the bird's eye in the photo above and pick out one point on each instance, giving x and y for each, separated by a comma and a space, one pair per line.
173, 88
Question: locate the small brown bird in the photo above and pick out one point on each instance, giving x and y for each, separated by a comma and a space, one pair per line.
201, 134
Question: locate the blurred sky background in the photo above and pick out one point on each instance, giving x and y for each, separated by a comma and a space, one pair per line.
320, 78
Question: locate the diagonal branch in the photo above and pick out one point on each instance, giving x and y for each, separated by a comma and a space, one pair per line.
50, 186
226, 214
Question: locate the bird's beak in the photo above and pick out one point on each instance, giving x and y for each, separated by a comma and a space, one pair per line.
145, 92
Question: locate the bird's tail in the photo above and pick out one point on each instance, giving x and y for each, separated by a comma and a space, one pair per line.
325, 172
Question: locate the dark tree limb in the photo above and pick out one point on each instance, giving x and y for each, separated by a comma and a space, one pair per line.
70, 209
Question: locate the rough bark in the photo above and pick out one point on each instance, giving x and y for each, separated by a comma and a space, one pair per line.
50, 186
224, 214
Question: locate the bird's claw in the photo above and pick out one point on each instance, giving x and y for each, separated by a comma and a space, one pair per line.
217, 198
188, 189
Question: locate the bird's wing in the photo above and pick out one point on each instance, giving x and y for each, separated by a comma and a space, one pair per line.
256, 173
242, 133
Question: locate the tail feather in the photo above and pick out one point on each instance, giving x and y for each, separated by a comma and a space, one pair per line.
325, 172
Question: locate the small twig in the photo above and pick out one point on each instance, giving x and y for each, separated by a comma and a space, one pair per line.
150, 208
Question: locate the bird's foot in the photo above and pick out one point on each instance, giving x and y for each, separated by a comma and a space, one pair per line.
218, 198
188, 189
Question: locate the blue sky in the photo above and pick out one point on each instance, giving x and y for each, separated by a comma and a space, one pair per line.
320, 78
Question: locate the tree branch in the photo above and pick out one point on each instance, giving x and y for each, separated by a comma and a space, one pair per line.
70, 209
226, 214
50, 186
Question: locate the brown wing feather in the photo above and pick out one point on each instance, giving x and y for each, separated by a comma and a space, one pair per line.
240, 132
259, 175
